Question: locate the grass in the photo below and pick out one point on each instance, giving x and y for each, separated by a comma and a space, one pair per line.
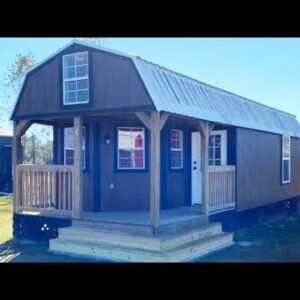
277, 241
5, 219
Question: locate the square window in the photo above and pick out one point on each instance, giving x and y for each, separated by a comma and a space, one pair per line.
286, 159
286, 170
75, 67
217, 151
69, 146
131, 148
176, 149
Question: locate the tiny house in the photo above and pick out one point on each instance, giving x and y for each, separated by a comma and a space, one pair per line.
5, 161
145, 159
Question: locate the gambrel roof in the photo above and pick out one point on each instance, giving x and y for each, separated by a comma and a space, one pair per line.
179, 94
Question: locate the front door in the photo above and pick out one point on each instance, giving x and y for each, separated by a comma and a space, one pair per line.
196, 168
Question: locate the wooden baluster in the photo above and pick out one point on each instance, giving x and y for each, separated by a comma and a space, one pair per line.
64, 190
69, 190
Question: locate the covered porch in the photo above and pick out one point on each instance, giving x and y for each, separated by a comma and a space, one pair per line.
57, 190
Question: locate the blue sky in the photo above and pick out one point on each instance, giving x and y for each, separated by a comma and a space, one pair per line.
266, 70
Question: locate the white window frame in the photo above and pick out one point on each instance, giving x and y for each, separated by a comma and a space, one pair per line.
73, 148
175, 149
76, 78
285, 158
118, 149
223, 134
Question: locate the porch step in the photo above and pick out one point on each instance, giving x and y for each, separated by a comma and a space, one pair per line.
176, 226
122, 227
119, 246
104, 251
155, 242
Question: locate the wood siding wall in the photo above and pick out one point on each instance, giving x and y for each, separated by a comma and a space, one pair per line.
114, 85
131, 189
259, 169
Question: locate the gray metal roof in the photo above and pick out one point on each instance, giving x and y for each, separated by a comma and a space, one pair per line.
179, 94
176, 93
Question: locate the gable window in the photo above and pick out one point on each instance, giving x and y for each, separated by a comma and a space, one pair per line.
69, 146
176, 149
75, 78
217, 148
131, 148
286, 159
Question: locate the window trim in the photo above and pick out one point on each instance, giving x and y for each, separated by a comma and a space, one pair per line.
223, 134
85, 165
76, 78
118, 168
283, 159
172, 149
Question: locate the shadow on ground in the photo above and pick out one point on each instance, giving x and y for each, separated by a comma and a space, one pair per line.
277, 241
32, 252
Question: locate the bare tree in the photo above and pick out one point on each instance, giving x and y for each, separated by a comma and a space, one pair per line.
96, 41
11, 84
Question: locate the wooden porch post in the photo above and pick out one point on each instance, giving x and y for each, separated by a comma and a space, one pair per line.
77, 176
155, 124
155, 169
19, 128
205, 129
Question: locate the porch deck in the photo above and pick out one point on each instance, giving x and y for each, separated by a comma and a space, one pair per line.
168, 216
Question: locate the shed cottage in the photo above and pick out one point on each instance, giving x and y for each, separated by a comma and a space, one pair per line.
145, 159
5, 161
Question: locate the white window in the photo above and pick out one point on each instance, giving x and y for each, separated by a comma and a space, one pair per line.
286, 159
131, 148
69, 146
176, 148
217, 148
75, 78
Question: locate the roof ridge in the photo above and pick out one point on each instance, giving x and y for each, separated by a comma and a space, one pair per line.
215, 87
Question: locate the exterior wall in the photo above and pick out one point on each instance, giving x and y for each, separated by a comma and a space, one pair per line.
259, 169
131, 189
5, 164
114, 84
176, 184
88, 173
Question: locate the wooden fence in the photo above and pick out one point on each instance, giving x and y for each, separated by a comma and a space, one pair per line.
221, 188
44, 188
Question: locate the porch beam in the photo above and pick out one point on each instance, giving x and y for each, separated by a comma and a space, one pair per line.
155, 170
16, 158
77, 177
144, 118
21, 127
205, 129
163, 119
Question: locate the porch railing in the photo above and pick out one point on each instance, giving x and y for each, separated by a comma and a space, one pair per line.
44, 188
221, 188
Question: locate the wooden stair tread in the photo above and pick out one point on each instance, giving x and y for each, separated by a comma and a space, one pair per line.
100, 250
